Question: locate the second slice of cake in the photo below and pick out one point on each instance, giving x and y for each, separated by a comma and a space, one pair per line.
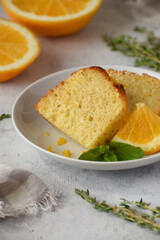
88, 106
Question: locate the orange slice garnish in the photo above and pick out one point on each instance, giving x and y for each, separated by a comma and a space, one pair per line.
141, 130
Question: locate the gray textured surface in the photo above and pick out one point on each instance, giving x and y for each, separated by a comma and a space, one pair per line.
74, 218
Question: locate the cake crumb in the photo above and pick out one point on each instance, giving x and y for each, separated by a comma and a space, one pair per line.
47, 133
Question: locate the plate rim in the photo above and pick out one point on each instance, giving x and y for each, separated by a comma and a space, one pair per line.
119, 165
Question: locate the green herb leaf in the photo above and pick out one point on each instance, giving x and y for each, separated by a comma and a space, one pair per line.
101, 153
110, 156
125, 151
115, 151
103, 149
145, 53
92, 155
3, 116
124, 211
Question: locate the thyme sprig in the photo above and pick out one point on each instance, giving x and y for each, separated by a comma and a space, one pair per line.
143, 205
3, 116
125, 211
145, 53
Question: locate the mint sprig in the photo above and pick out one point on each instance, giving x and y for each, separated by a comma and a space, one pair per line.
114, 151
100, 154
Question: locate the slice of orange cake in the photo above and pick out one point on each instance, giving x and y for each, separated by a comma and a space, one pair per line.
139, 88
88, 106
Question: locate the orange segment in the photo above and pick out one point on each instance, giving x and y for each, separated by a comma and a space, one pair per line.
52, 17
142, 129
51, 8
13, 45
18, 49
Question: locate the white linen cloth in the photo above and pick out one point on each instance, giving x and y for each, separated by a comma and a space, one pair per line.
23, 193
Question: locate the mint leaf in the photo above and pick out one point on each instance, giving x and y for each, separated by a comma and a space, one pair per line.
103, 149
101, 153
125, 151
92, 155
110, 157
115, 151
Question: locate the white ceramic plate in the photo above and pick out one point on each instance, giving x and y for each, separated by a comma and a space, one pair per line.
32, 127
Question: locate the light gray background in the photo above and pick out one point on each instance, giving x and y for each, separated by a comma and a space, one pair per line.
74, 218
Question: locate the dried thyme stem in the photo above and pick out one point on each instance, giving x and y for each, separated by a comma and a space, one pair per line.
124, 211
145, 206
145, 53
3, 116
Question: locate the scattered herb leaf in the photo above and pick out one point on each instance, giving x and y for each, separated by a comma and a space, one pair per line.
125, 211
115, 151
3, 116
146, 53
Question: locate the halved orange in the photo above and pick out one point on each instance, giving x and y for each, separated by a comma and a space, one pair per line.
52, 17
141, 130
18, 49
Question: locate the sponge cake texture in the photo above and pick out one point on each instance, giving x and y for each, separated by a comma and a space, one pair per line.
88, 106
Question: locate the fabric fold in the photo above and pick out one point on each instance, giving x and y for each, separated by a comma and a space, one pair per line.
22, 193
